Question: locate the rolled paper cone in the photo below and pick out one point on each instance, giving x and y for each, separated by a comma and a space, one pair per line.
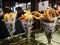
49, 26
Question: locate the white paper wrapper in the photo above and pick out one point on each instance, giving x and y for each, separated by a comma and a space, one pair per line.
27, 25
50, 26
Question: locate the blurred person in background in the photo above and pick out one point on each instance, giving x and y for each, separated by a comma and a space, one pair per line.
19, 27
19, 11
3, 29
6, 10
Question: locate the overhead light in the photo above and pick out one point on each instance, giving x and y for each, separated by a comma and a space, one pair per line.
29, 3
55, 5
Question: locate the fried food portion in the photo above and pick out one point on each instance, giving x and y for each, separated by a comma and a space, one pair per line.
36, 13
26, 16
12, 15
9, 16
48, 15
6, 17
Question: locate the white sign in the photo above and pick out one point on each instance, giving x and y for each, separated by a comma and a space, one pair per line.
43, 5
